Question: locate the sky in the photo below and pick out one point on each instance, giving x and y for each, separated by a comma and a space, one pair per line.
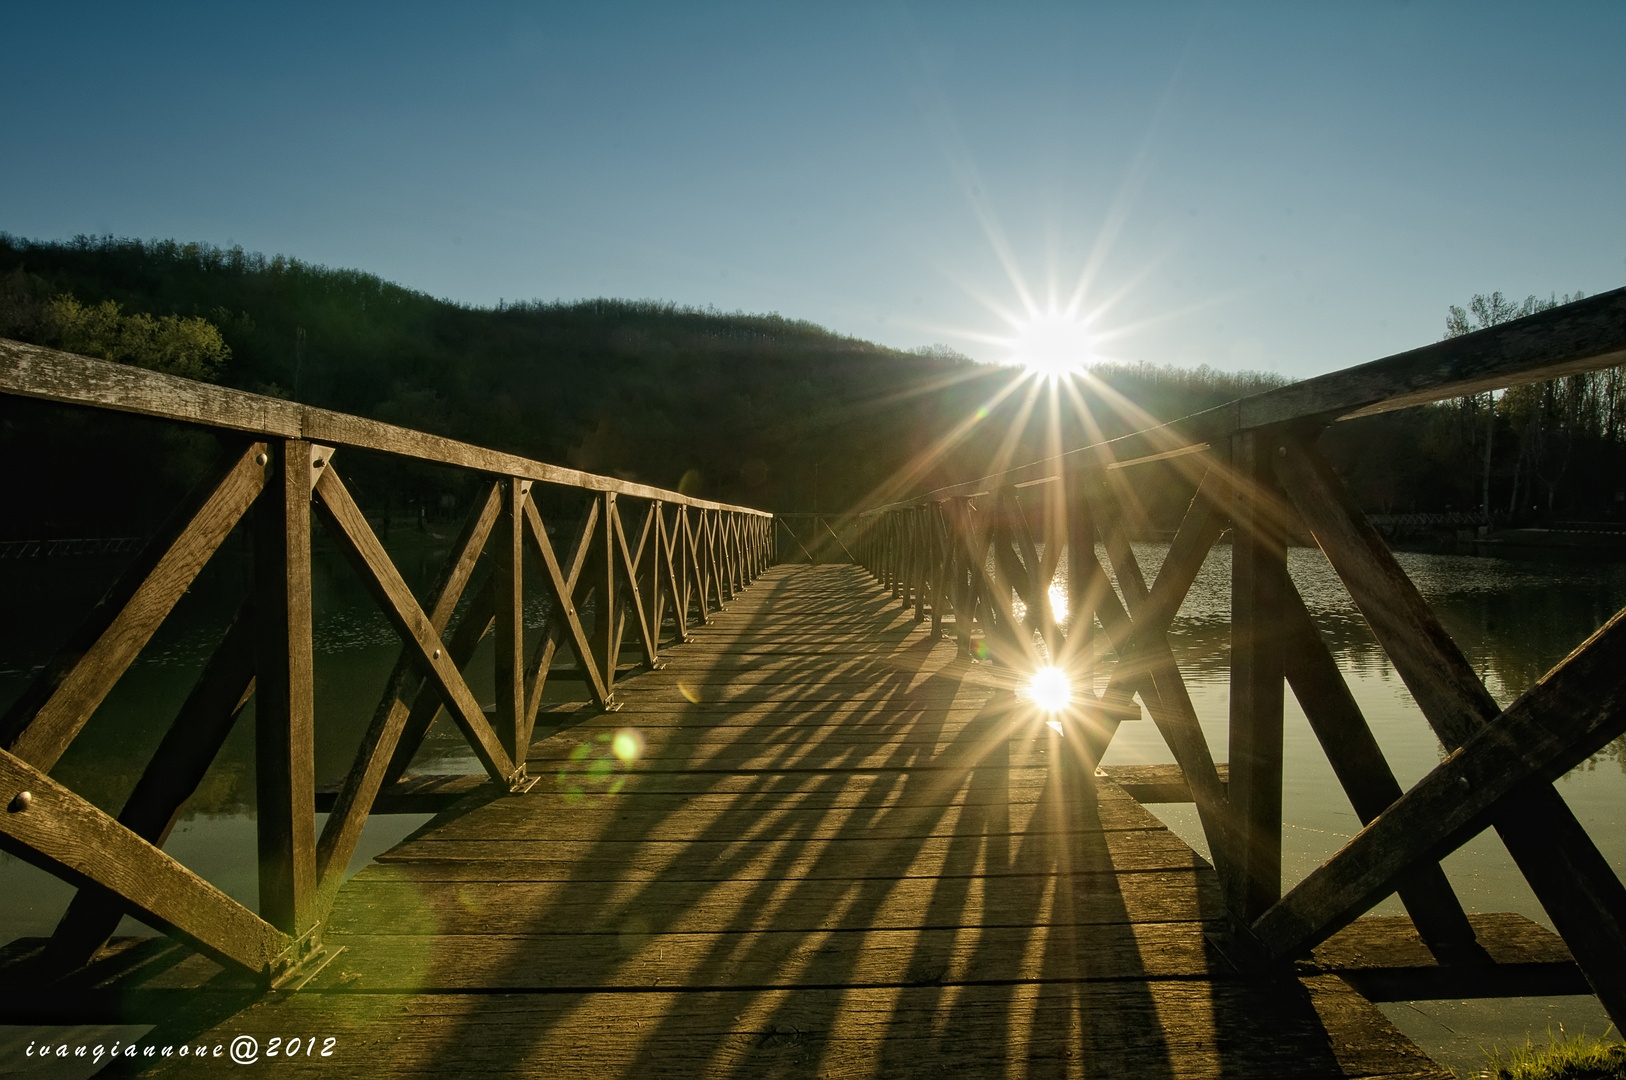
1277, 187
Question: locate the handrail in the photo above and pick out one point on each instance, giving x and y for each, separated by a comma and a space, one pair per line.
1581, 336
52, 375
647, 577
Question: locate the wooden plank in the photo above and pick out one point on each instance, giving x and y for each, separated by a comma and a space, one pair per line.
1187, 1028
57, 703
285, 706
718, 960
171, 777
629, 819
1574, 710
426, 794
378, 573
1119, 851
1386, 959
669, 750
1157, 783
64, 835
879, 789
400, 898
51, 375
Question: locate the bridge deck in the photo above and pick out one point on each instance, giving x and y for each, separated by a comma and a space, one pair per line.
840, 852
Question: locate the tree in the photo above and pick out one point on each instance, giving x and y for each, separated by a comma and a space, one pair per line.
1487, 311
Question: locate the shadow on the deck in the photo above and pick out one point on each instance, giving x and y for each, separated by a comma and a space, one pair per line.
842, 852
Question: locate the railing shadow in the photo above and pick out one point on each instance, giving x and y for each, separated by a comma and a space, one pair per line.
967, 899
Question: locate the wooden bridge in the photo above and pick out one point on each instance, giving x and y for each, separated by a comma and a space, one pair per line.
807, 819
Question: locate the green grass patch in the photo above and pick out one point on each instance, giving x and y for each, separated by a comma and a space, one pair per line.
1580, 1058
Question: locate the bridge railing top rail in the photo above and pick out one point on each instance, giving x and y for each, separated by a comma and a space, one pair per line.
51, 375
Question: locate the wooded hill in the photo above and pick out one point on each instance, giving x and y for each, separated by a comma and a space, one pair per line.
758, 409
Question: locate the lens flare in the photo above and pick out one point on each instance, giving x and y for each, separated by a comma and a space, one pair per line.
628, 745
1053, 345
1050, 689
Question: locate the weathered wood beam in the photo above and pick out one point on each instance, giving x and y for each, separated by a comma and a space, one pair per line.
378, 573
171, 777
1580, 892
63, 696
562, 589
61, 833
374, 756
1156, 783
471, 629
51, 375
626, 564
1258, 584
1574, 710
285, 703
1145, 657
508, 590
1366, 777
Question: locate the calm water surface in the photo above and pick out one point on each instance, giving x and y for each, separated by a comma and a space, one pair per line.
1513, 617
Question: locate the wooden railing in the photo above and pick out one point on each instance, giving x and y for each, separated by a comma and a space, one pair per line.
980, 559
648, 574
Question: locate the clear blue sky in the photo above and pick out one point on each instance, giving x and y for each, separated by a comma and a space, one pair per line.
1276, 186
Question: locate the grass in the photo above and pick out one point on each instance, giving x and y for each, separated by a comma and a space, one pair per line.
1580, 1058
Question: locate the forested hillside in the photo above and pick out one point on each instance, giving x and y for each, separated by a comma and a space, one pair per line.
758, 409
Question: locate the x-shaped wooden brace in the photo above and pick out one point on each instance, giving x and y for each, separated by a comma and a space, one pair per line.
118, 863
1507, 757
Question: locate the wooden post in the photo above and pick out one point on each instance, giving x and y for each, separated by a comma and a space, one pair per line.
1258, 581
606, 626
285, 706
508, 561
1082, 569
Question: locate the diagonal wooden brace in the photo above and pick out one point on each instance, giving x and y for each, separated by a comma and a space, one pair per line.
169, 780
1583, 896
1571, 713
1367, 780
373, 564
561, 593
44, 823
369, 770
53, 709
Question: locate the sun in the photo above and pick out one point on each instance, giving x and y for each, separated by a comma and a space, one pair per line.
1053, 345
1050, 689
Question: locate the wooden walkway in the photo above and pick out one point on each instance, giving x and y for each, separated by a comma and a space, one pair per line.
839, 851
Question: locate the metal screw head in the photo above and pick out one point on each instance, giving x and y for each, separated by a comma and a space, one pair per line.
1281, 451
23, 800
436, 656
1462, 782
261, 459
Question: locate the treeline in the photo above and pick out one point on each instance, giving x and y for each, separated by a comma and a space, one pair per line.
1540, 454
758, 409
